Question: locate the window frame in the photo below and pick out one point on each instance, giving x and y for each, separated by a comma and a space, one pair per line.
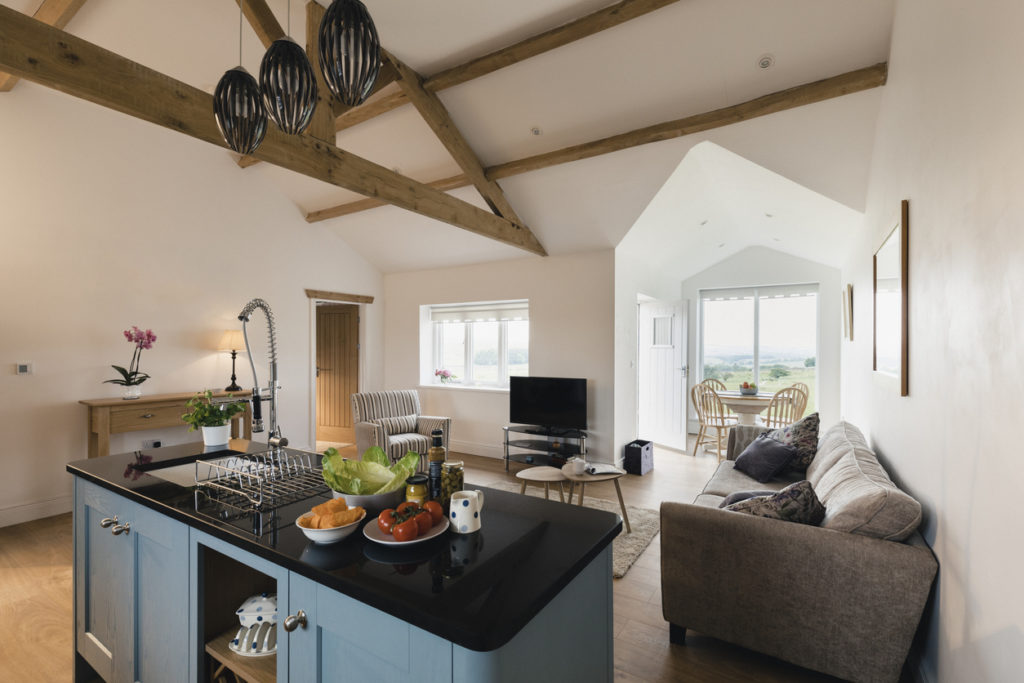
467, 380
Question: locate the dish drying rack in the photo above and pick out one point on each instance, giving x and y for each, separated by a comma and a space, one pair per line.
260, 482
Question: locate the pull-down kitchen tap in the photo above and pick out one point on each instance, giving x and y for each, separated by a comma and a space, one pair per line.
275, 439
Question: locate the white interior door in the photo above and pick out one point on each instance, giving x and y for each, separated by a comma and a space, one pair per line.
661, 373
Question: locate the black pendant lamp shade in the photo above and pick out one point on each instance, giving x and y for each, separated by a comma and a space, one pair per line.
288, 85
349, 51
238, 108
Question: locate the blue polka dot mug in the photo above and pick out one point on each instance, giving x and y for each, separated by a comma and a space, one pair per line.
465, 510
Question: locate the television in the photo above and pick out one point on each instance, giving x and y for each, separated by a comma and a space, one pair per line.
548, 401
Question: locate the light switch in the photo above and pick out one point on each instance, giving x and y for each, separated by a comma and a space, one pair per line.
23, 368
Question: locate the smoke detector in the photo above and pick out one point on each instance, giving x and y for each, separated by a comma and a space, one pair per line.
765, 61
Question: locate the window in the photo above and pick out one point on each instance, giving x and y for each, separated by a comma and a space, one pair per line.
477, 344
764, 335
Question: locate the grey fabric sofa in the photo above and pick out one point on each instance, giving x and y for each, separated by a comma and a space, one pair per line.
844, 598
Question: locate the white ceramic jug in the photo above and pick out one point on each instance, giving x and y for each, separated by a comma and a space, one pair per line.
465, 509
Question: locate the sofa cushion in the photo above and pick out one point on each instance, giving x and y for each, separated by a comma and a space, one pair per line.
708, 500
737, 496
795, 503
840, 439
727, 479
404, 424
765, 458
860, 498
802, 435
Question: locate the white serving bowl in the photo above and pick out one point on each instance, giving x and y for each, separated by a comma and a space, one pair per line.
375, 502
331, 535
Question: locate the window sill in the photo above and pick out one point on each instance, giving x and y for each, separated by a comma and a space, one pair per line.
459, 387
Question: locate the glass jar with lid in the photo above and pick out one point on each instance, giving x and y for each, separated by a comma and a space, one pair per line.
416, 489
452, 479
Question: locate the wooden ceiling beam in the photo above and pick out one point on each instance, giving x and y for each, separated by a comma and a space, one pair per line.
440, 121
321, 126
53, 58
262, 20
798, 96
606, 18
363, 204
56, 13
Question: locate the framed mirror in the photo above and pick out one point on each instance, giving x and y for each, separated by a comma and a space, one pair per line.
891, 344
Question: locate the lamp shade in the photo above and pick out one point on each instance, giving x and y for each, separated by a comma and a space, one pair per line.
288, 85
349, 51
238, 108
232, 340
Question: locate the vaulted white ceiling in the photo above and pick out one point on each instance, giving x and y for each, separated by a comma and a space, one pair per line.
690, 57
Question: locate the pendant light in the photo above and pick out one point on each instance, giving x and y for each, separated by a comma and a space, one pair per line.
237, 105
349, 51
288, 83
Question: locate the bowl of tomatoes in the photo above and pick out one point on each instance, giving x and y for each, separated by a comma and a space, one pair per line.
407, 523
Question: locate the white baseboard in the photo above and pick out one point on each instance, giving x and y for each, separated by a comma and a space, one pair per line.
487, 450
27, 512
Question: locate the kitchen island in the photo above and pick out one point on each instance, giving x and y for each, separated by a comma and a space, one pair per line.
160, 570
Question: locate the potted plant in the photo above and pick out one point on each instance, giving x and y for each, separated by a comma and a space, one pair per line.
214, 418
132, 377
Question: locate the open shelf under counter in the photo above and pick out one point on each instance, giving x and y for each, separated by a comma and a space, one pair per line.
250, 669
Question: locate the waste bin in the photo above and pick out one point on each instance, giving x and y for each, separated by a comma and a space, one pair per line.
639, 457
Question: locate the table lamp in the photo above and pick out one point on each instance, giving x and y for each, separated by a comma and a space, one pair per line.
232, 341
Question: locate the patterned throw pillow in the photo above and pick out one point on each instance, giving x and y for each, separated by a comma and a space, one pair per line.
803, 436
795, 503
398, 425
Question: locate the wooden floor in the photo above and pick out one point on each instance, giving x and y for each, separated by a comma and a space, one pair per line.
36, 600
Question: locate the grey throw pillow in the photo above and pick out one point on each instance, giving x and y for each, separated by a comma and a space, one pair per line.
765, 458
803, 436
795, 503
737, 496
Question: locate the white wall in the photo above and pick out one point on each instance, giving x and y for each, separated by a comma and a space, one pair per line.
950, 140
758, 266
110, 222
570, 336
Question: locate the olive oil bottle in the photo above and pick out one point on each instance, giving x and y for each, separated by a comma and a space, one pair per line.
435, 461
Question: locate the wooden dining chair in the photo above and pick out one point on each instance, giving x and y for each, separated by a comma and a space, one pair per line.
716, 384
784, 406
802, 408
711, 414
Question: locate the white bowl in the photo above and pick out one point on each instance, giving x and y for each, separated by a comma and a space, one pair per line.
331, 535
375, 502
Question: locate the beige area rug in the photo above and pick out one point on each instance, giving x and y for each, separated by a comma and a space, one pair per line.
626, 547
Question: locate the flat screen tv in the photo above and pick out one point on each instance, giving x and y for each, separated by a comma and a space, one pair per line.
548, 401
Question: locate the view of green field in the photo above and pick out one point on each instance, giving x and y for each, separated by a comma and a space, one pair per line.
775, 373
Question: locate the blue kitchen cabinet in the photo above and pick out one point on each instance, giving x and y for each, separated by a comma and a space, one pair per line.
131, 578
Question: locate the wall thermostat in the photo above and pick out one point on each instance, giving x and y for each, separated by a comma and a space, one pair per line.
23, 368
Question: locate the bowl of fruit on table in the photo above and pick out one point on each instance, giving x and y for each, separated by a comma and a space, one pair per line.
748, 389
408, 523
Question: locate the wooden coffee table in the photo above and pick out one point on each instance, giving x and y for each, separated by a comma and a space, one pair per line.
584, 479
544, 474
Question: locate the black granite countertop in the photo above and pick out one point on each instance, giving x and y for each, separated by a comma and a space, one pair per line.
476, 590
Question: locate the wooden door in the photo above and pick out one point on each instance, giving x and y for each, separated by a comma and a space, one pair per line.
337, 370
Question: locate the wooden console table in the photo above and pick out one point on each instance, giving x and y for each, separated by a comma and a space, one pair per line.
116, 415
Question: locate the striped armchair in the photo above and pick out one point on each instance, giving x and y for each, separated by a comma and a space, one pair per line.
392, 420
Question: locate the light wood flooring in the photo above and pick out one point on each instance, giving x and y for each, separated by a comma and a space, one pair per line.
36, 600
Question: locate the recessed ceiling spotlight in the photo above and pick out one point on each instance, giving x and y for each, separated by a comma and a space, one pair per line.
776, 239
536, 131
704, 222
765, 61
768, 215
721, 245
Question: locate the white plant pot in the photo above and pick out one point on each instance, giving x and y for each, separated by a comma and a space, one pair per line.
217, 436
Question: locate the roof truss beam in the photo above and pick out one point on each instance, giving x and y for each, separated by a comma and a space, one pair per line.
798, 96
48, 56
56, 13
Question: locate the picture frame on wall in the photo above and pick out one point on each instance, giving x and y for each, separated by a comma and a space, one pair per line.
891, 316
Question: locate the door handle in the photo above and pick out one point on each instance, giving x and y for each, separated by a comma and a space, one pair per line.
293, 621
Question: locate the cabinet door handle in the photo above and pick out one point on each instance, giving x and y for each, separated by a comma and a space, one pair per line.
108, 522
122, 529
146, 416
293, 621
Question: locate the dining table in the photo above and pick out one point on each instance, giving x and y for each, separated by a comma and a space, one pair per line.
748, 407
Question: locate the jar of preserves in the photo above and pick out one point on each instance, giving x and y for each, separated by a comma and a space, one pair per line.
452, 479
416, 489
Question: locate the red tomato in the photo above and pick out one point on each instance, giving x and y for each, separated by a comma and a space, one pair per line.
424, 520
386, 521
406, 506
406, 531
435, 510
